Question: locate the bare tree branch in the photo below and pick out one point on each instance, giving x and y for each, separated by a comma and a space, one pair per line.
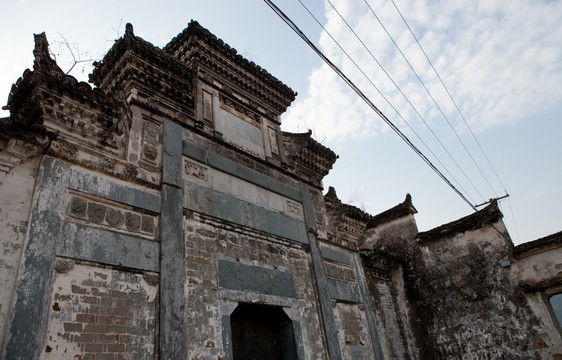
74, 51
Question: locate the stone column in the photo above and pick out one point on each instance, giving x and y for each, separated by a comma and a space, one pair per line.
172, 248
326, 310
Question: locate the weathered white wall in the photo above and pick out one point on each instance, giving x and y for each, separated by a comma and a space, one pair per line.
16, 193
540, 268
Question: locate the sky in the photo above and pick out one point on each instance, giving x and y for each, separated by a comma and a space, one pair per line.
500, 60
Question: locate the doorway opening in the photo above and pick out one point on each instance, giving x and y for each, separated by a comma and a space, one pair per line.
262, 332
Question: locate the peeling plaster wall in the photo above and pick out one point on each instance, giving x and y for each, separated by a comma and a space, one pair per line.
16, 194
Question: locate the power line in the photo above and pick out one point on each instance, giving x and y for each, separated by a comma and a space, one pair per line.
450, 96
513, 219
295, 28
405, 97
429, 94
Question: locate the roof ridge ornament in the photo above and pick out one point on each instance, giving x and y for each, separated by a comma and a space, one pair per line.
129, 30
41, 52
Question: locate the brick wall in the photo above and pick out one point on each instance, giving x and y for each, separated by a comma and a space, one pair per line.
100, 313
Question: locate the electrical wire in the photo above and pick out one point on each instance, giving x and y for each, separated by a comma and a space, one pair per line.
450, 96
429, 94
463, 118
295, 28
405, 97
513, 219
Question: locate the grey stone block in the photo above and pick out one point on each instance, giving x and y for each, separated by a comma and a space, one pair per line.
344, 291
335, 255
214, 203
108, 247
237, 276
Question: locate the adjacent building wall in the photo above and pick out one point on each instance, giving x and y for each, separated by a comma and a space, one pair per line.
462, 293
538, 273
466, 302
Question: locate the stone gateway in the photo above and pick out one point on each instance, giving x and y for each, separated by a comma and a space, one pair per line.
163, 214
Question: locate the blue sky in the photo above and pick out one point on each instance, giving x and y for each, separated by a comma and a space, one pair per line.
502, 61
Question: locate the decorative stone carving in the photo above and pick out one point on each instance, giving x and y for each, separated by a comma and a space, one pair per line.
150, 144
14, 151
294, 208
197, 171
381, 266
111, 216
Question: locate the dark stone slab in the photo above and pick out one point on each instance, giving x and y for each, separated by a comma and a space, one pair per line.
214, 203
297, 327
344, 291
172, 248
237, 276
107, 189
195, 152
326, 310
367, 300
172, 154
335, 255
226, 337
107, 247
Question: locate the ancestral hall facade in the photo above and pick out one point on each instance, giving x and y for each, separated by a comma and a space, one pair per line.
163, 214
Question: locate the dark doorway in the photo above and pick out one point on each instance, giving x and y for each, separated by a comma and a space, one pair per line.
262, 332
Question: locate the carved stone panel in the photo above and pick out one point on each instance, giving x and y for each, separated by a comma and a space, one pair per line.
103, 214
293, 208
196, 171
150, 143
240, 133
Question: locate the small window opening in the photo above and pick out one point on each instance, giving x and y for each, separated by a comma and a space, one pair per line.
262, 332
556, 303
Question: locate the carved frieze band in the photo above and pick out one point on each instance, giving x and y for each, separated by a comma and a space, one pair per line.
340, 272
101, 213
381, 266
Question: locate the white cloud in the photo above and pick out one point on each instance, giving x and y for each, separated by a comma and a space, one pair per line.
501, 61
